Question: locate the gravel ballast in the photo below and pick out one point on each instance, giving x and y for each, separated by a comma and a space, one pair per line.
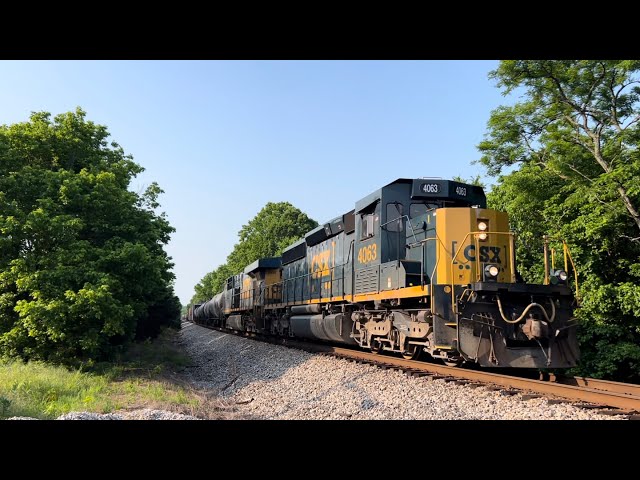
142, 414
273, 382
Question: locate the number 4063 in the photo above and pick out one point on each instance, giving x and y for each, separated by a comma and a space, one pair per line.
368, 254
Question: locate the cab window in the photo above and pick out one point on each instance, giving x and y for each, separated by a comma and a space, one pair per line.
394, 217
369, 220
418, 209
367, 225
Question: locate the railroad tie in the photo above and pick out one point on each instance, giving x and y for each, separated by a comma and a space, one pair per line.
529, 396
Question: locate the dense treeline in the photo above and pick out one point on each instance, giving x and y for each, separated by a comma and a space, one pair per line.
82, 265
274, 228
572, 143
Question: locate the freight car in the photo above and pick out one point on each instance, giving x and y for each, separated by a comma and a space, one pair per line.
420, 266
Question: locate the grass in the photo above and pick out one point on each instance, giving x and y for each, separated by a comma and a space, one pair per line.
43, 391
145, 377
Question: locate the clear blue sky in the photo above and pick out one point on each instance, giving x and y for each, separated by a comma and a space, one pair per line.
222, 138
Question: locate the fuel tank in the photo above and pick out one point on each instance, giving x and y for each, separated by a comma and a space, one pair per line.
333, 328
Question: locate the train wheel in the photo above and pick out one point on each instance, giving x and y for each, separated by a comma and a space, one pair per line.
376, 346
411, 352
452, 362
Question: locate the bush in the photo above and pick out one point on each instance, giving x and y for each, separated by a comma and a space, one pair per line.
81, 257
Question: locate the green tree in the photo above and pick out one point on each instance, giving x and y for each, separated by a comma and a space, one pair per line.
573, 140
82, 264
211, 284
580, 119
477, 181
273, 229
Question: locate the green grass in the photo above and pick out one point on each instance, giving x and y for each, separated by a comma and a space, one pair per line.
143, 377
44, 391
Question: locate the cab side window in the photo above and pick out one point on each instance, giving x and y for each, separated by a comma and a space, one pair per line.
367, 226
369, 221
394, 217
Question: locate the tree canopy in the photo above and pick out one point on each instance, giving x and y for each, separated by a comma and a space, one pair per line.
573, 147
580, 120
273, 229
82, 264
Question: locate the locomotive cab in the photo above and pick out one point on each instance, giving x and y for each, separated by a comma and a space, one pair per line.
396, 231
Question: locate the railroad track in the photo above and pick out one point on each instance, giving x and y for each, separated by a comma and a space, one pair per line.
606, 397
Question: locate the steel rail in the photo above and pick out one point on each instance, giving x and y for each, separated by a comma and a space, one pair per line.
597, 384
625, 396
592, 392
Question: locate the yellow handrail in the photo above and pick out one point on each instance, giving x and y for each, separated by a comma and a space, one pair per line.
567, 258
573, 266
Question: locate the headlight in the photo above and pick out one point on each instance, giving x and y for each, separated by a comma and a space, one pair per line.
560, 276
482, 226
491, 273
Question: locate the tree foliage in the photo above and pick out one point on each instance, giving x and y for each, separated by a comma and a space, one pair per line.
274, 228
82, 265
580, 120
211, 283
574, 142
475, 180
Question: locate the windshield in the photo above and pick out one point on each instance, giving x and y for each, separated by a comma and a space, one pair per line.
418, 209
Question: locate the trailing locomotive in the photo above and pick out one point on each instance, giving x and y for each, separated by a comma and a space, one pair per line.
418, 266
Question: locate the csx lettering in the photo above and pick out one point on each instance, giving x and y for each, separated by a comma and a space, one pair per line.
490, 254
487, 254
368, 254
468, 253
320, 264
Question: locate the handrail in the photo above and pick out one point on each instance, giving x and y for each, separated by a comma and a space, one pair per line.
478, 273
408, 222
309, 276
423, 243
567, 258
573, 266
276, 291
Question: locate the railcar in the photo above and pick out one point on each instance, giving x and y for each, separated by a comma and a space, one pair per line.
418, 267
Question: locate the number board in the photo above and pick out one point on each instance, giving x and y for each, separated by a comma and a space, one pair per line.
427, 188
430, 188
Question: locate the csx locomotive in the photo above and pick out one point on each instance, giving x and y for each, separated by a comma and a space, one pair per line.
420, 266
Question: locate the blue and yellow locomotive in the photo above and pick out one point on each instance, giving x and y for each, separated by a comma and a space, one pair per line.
420, 266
